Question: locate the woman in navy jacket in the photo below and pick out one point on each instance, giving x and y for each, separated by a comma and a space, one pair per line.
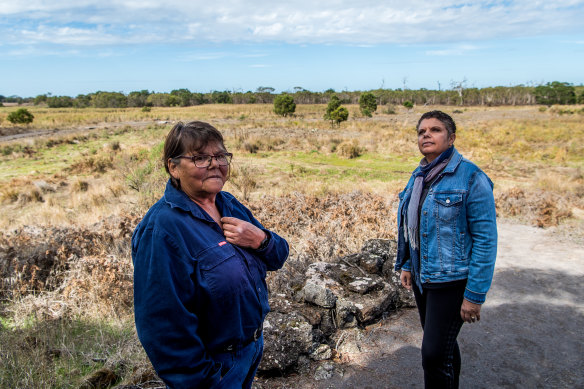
447, 245
200, 261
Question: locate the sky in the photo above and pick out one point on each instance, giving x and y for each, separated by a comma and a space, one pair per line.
76, 47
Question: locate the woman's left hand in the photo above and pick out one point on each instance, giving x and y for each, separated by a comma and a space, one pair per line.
242, 233
470, 312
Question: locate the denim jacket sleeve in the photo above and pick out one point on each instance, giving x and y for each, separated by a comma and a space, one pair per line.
402, 261
164, 292
482, 224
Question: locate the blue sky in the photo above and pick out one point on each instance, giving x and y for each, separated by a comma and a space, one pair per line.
78, 47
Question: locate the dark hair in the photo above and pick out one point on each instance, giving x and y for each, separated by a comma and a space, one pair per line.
186, 138
443, 117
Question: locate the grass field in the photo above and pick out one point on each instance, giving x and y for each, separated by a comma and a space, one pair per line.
74, 186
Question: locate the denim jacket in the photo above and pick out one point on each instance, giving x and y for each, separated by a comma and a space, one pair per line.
458, 230
194, 291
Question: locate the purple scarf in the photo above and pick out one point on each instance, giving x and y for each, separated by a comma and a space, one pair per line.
428, 171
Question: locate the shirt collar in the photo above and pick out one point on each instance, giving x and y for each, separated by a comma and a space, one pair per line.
176, 198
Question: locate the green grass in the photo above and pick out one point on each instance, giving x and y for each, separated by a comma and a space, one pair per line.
60, 353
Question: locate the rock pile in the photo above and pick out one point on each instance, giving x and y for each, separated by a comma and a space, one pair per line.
348, 292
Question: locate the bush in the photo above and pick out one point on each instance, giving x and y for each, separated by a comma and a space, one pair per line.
408, 104
339, 115
20, 116
333, 104
284, 105
367, 104
349, 150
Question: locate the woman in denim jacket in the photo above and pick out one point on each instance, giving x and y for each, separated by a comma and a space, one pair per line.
447, 245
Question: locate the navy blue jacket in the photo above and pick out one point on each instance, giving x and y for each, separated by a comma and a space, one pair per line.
194, 291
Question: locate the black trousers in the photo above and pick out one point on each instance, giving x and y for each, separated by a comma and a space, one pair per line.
439, 308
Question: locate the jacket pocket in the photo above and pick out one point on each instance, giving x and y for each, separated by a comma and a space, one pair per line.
447, 206
222, 270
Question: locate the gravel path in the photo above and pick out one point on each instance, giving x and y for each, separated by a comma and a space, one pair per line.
531, 334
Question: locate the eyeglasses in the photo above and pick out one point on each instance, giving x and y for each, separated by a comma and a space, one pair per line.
204, 160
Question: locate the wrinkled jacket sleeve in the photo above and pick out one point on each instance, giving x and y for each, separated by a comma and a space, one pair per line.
402, 261
276, 252
482, 224
163, 290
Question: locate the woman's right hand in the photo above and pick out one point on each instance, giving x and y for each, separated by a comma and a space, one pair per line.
406, 279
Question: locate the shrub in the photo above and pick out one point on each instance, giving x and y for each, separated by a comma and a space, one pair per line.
80, 186
408, 104
115, 145
333, 104
349, 149
367, 104
252, 147
146, 108
284, 105
339, 115
20, 116
243, 178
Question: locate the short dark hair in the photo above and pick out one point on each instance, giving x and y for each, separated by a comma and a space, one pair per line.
443, 117
187, 138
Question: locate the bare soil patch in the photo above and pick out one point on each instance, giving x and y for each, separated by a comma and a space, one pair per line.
530, 334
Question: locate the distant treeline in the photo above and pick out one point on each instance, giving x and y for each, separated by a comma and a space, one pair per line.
551, 93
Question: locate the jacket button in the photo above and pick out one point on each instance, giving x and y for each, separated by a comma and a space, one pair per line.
425, 257
425, 212
424, 235
447, 201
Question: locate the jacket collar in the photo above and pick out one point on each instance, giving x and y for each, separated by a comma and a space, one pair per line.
454, 162
176, 198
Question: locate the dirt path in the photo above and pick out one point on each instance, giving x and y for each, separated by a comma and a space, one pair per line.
531, 334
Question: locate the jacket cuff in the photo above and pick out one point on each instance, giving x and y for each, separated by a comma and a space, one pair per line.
474, 297
406, 266
268, 242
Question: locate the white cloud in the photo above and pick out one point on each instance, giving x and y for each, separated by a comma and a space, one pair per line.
455, 50
105, 22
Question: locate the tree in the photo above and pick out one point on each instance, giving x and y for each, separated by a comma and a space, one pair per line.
20, 116
333, 104
82, 101
184, 95
138, 98
40, 99
284, 105
162, 100
555, 93
221, 97
459, 87
332, 111
265, 89
59, 101
367, 104
109, 100
339, 115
